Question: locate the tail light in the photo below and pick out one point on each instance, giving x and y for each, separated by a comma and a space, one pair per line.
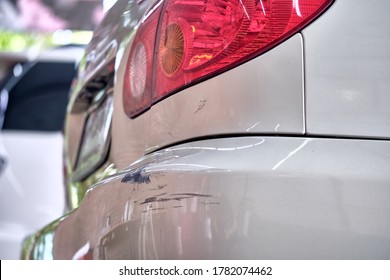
183, 42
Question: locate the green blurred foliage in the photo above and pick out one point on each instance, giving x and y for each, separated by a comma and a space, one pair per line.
18, 41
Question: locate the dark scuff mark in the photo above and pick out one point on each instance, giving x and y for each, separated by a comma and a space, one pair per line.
210, 203
155, 199
3, 163
201, 105
174, 197
193, 194
149, 200
136, 176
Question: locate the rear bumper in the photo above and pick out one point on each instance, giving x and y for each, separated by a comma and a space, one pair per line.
240, 198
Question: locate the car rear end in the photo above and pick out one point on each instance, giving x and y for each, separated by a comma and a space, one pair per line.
230, 130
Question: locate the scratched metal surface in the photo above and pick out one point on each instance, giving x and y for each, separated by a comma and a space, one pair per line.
249, 99
240, 198
264, 95
245, 197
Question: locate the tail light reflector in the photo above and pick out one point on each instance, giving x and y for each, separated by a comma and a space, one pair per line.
183, 42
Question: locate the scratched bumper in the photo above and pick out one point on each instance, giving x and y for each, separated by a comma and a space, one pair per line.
239, 198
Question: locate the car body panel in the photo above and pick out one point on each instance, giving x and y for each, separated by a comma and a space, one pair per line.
265, 103
347, 69
264, 95
240, 198
246, 164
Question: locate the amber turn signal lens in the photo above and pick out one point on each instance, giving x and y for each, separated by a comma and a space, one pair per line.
171, 49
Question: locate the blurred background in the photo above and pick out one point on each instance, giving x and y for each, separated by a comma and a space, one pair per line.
41, 43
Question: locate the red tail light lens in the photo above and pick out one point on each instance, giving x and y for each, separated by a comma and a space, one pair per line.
137, 86
197, 39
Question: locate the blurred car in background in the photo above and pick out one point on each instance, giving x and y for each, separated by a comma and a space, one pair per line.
33, 97
229, 130
41, 43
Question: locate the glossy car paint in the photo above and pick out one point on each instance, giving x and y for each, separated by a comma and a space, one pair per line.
264, 95
229, 104
248, 197
256, 190
347, 66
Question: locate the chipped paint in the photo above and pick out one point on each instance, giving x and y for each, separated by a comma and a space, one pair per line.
186, 211
138, 176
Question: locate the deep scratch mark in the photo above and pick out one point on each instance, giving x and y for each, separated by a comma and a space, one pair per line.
193, 194
149, 200
155, 199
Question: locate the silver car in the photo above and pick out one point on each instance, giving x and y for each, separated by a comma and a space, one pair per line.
229, 129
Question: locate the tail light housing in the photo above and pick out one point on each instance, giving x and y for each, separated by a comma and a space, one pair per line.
182, 42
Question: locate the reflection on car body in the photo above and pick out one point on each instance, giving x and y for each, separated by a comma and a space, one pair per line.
239, 130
